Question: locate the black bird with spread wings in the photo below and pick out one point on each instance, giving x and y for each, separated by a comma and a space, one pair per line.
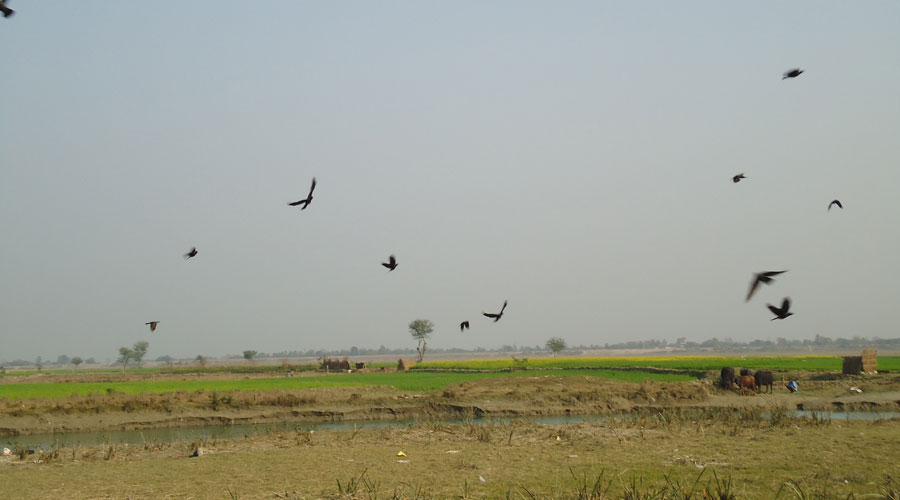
152, 325
835, 202
306, 201
392, 264
763, 277
463, 326
498, 315
6, 10
783, 311
791, 73
737, 178
192, 253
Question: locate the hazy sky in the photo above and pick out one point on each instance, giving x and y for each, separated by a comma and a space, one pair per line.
572, 157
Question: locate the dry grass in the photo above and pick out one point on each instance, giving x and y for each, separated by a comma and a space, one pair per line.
653, 454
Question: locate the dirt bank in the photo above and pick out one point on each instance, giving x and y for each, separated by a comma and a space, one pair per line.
498, 397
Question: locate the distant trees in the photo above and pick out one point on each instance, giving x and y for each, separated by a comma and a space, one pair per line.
135, 353
556, 345
249, 355
201, 360
140, 349
62, 359
421, 329
76, 361
125, 355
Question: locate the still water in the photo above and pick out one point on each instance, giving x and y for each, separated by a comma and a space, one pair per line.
167, 435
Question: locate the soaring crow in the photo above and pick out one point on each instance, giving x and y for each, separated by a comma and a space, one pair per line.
793, 73
783, 311
498, 315
763, 277
306, 201
390, 265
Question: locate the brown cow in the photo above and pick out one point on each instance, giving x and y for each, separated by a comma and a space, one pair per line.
747, 382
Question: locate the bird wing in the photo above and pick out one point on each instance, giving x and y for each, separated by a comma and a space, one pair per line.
835, 202
393, 260
786, 304
753, 285
385, 264
294, 204
775, 310
491, 315
503, 308
773, 273
313, 187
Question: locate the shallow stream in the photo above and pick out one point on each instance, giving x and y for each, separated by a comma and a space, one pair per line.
175, 434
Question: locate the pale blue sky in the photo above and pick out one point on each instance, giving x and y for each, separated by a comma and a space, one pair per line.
572, 157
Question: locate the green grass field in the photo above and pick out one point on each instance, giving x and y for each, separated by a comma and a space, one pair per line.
698, 363
399, 380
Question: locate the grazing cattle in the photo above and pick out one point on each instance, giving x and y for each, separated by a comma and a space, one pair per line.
747, 382
764, 378
745, 372
727, 377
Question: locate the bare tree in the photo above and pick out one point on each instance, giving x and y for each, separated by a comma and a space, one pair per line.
201, 360
421, 329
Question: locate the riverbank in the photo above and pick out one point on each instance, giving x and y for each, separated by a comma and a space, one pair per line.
667, 454
529, 395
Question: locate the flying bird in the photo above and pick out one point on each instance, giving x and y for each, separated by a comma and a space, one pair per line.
306, 201
763, 277
783, 311
835, 202
192, 253
6, 10
737, 178
152, 325
392, 264
794, 73
463, 326
498, 315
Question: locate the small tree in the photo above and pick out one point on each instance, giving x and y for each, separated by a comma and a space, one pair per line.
76, 361
125, 355
249, 355
556, 344
139, 350
201, 360
421, 329
39, 363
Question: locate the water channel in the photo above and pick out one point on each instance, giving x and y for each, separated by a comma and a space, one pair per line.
174, 434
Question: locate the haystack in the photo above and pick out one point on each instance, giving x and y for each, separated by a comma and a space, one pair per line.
405, 364
867, 363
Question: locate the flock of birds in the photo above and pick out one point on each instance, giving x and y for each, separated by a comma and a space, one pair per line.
765, 277
391, 264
